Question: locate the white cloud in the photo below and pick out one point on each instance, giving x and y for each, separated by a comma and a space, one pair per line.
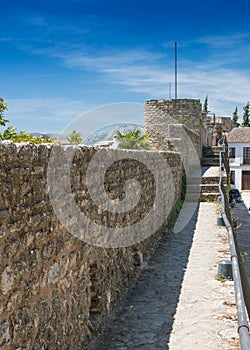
144, 71
43, 115
231, 41
221, 73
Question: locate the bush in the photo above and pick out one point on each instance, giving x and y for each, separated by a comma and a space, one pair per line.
133, 140
11, 134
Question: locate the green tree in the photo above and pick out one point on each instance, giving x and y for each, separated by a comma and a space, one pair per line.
10, 132
246, 115
205, 105
133, 139
75, 137
3, 108
235, 116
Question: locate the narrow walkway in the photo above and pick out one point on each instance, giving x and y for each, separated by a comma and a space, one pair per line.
206, 315
177, 303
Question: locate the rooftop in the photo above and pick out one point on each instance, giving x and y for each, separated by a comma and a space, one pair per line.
240, 134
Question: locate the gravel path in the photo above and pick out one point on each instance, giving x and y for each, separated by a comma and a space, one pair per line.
177, 303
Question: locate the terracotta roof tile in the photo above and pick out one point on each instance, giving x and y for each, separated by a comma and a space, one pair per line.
240, 134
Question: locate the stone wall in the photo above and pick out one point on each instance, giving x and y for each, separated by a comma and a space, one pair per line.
55, 289
177, 111
175, 124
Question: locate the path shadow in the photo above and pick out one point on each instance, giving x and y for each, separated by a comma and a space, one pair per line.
241, 214
145, 318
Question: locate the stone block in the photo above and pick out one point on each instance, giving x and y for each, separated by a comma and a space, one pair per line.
56, 289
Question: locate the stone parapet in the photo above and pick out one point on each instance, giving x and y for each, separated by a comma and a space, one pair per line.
55, 289
176, 125
177, 111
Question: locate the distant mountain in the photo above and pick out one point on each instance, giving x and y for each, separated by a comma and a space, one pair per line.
37, 134
55, 136
107, 132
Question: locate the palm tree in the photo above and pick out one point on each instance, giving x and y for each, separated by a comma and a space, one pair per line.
133, 139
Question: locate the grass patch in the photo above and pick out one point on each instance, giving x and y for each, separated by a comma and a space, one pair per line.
174, 213
220, 277
178, 204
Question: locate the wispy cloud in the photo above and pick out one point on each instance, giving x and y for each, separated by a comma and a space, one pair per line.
228, 49
100, 59
226, 87
36, 20
231, 41
35, 76
221, 73
46, 114
143, 71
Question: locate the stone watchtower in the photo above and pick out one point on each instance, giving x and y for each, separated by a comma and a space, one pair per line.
174, 125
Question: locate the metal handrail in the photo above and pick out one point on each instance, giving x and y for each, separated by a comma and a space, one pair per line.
243, 327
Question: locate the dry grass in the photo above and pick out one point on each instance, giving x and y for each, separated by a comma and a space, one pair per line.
231, 304
230, 316
218, 208
234, 344
224, 239
223, 250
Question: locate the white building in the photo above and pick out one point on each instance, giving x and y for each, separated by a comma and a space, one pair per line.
239, 157
108, 143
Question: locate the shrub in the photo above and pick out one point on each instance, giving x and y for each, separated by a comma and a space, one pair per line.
11, 134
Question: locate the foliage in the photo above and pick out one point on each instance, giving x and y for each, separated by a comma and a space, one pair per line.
175, 212
246, 115
3, 108
133, 139
179, 202
220, 277
11, 134
75, 137
235, 116
205, 106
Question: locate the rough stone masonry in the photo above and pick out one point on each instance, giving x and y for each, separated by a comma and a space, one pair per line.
55, 289
164, 120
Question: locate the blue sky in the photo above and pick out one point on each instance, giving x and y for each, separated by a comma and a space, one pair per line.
61, 58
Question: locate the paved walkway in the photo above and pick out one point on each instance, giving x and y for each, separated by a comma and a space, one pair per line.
177, 303
205, 316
